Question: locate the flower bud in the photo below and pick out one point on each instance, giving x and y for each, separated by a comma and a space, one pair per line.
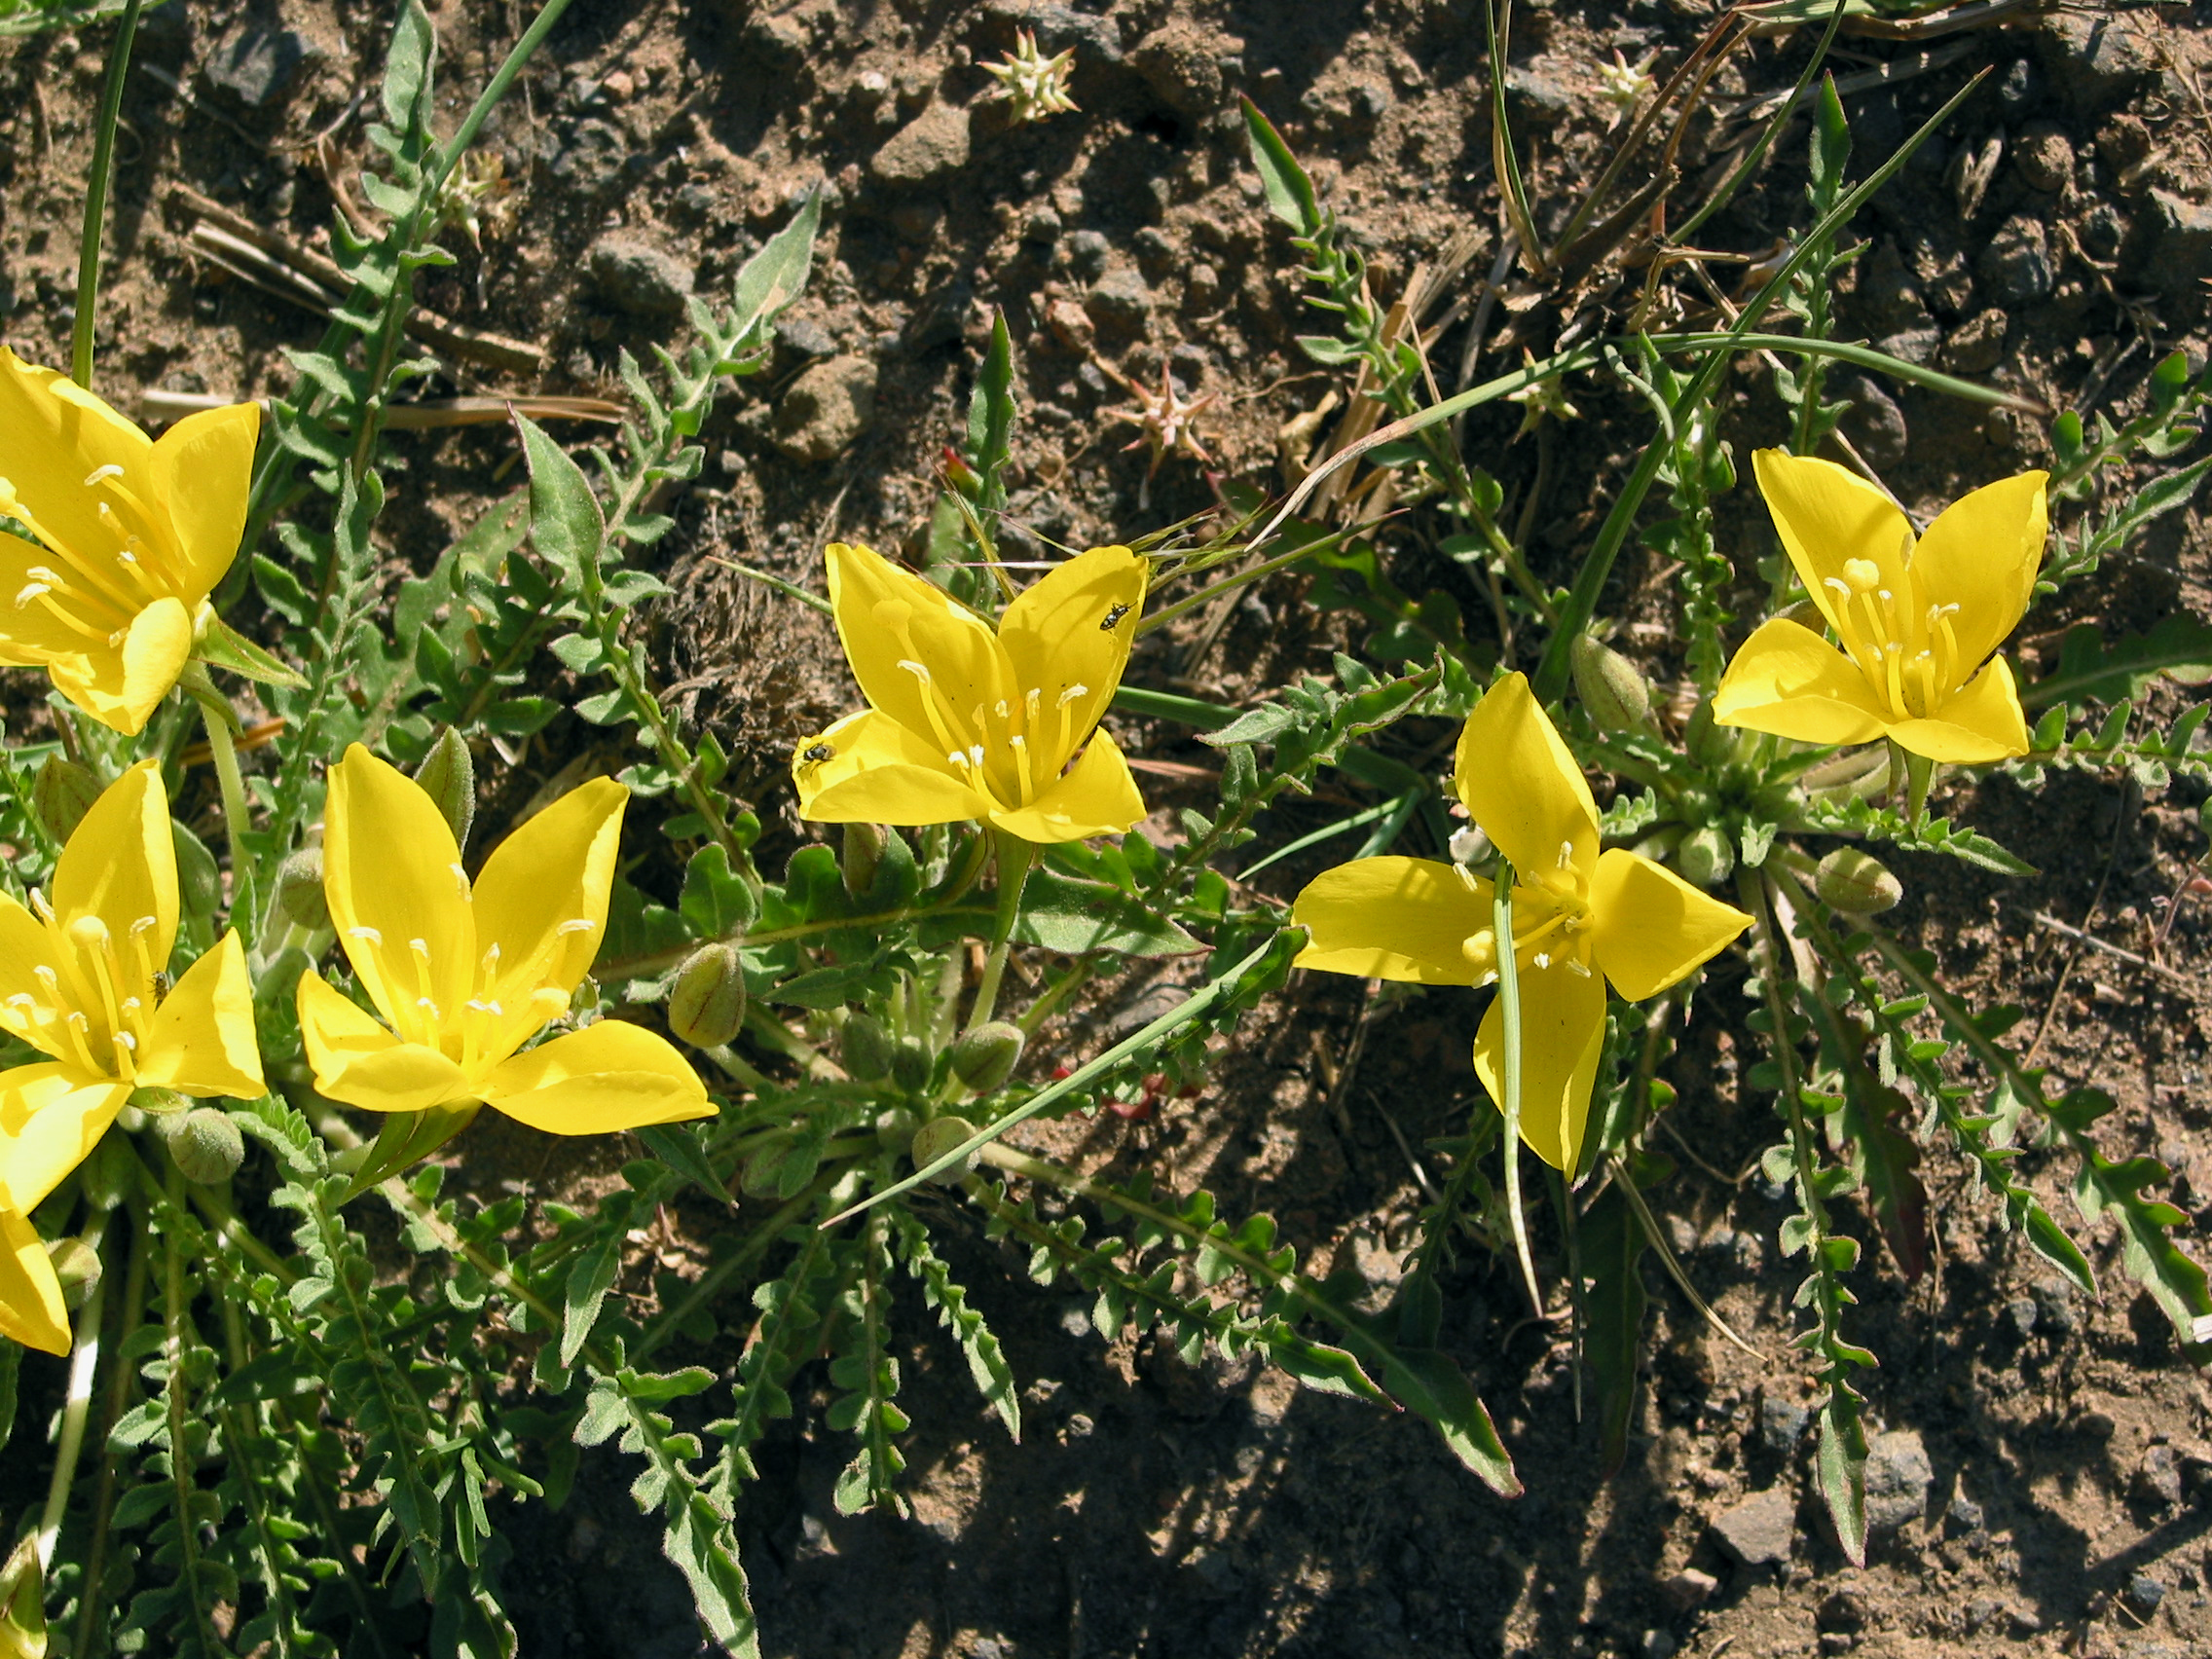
1706, 858
299, 898
22, 1603
1469, 846
61, 794
938, 1136
986, 1058
199, 877
77, 1265
1857, 883
448, 775
894, 1129
864, 1048
159, 1103
1805, 614
862, 852
1611, 690
910, 1066
204, 1143
706, 1005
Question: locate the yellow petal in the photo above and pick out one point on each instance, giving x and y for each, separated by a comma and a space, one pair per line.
120, 865
877, 771
121, 688
31, 634
1096, 797
1981, 554
201, 1040
1982, 723
607, 1077
541, 900
887, 616
1069, 636
1395, 918
1649, 928
202, 468
357, 1061
1789, 681
50, 1118
1562, 1028
1828, 516
398, 897
1523, 786
31, 1311
58, 435
25, 947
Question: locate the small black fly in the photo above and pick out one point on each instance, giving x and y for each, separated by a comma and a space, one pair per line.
1113, 617
819, 753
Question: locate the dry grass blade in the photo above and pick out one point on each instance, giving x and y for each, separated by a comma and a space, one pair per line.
429, 414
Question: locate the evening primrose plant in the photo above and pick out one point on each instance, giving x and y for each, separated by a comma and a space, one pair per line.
307, 1331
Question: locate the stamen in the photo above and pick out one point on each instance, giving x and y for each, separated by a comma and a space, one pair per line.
126, 1041
1031, 701
28, 591
1077, 689
144, 924
577, 925
100, 474
369, 934
920, 671
1864, 574
40, 908
975, 753
488, 1005
1567, 855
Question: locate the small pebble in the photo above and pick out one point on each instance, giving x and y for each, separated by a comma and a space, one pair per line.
2145, 1593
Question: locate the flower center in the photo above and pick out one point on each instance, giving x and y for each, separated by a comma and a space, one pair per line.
1010, 750
1551, 921
94, 1011
1908, 652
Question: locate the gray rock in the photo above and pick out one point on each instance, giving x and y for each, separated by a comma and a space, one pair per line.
776, 41
1841, 1610
2054, 1306
1914, 344
1042, 228
2021, 1314
258, 66
1688, 1587
1087, 254
1974, 347
2015, 266
638, 279
803, 338
1963, 1515
591, 161
1757, 1532
1888, 294
2095, 56
1095, 39
1660, 1644
2182, 230
1897, 1479
2145, 1593
1782, 1424
1181, 63
931, 145
823, 410
1537, 94
1875, 422
2019, 87
2045, 156
2158, 1479
1120, 303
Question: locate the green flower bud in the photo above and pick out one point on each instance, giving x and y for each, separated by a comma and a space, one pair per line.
894, 1129
61, 794
1805, 614
1857, 883
77, 1265
863, 851
1706, 858
706, 1005
864, 1048
159, 1103
910, 1066
204, 1143
300, 896
199, 877
448, 775
1610, 686
938, 1136
986, 1058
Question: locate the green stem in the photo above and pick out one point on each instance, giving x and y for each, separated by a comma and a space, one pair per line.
215, 714
95, 196
1016, 858
495, 88
175, 1310
1509, 1001
1919, 772
84, 1360
1038, 1011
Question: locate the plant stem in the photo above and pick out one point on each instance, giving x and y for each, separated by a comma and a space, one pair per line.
1919, 772
84, 1359
95, 196
215, 715
1509, 999
1015, 859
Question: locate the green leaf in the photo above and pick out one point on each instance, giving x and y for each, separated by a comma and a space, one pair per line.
678, 1146
589, 1281
1840, 1467
1612, 1242
775, 277
1290, 193
990, 419
716, 904
2088, 668
1077, 917
220, 645
408, 69
1431, 1384
565, 522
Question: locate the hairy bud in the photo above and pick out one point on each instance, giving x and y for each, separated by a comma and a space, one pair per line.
448, 775
986, 1058
910, 1066
204, 1143
894, 1129
864, 1048
300, 896
862, 852
1613, 692
77, 1265
1857, 883
1805, 614
61, 794
938, 1136
1706, 858
199, 877
707, 1004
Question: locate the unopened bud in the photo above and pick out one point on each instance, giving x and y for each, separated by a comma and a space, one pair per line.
1469, 846
986, 1058
1805, 614
938, 1136
199, 877
299, 898
204, 1143
894, 1131
22, 1603
1613, 692
159, 1103
1706, 858
863, 851
61, 794
448, 775
864, 1048
1857, 883
77, 1265
707, 1004
912, 1065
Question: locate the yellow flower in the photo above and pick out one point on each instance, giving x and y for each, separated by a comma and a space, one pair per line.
135, 533
967, 723
465, 975
1581, 917
78, 980
1918, 619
